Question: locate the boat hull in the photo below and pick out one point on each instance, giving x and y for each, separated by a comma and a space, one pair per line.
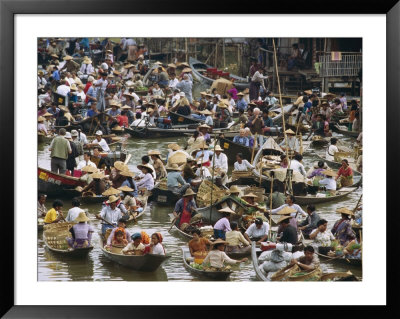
53, 184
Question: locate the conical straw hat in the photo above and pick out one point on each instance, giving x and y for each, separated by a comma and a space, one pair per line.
286, 210
111, 191
344, 210
227, 210
283, 218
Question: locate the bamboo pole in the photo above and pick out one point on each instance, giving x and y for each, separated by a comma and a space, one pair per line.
270, 205
254, 147
212, 175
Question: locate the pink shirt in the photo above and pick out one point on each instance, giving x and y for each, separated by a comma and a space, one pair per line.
223, 224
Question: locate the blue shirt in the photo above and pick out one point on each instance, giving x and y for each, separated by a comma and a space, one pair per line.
91, 92
135, 190
114, 113
268, 122
50, 110
307, 106
175, 178
56, 75
241, 104
179, 205
91, 113
243, 140
85, 43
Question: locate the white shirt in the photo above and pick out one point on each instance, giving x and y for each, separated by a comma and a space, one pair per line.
70, 81
103, 144
175, 98
63, 90
82, 95
158, 250
139, 122
298, 209
330, 152
242, 167
329, 182
297, 166
221, 161
254, 232
103, 83
172, 83
87, 69
73, 213
203, 171
83, 163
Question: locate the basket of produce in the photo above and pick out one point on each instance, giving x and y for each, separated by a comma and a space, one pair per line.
313, 275
284, 273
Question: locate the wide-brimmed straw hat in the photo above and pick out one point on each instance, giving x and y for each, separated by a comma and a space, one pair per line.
47, 114
240, 94
219, 241
112, 199
117, 128
286, 210
206, 112
128, 66
121, 166
283, 217
189, 192
218, 148
174, 146
186, 70
204, 126
173, 167
171, 65
81, 218
226, 210
98, 175
308, 92
344, 210
289, 131
67, 58
145, 166
110, 191
54, 55
222, 105
41, 119
125, 189
154, 152
250, 195
89, 169
63, 108
127, 173
329, 173
126, 107
234, 189
184, 64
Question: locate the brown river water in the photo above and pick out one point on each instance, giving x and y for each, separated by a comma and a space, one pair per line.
96, 267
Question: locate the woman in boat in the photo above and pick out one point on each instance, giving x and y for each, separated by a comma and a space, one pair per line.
318, 126
55, 214
345, 174
130, 183
223, 224
217, 256
317, 171
241, 164
354, 248
310, 223
147, 181
175, 181
81, 232
322, 237
156, 247
329, 182
158, 164
127, 200
236, 241
198, 245
290, 203
41, 208
185, 208
135, 247
342, 229
331, 150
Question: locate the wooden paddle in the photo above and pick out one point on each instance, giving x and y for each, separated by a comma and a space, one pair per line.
127, 159
105, 221
173, 222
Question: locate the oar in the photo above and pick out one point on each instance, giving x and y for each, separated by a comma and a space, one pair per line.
173, 222
311, 134
105, 221
127, 159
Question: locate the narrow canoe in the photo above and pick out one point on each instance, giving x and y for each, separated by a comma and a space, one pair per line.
231, 149
78, 252
313, 199
345, 132
179, 119
212, 275
336, 165
255, 252
196, 66
146, 262
164, 196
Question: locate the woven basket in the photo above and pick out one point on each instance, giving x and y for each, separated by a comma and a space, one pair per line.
313, 275
284, 273
58, 226
238, 174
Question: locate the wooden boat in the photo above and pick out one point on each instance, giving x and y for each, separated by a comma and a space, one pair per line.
212, 211
306, 275
53, 184
199, 67
143, 199
336, 165
44, 138
317, 140
147, 263
231, 149
314, 199
163, 196
213, 275
156, 132
77, 252
87, 125
179, 119
337, 128
255, 253
339, 276
277, 109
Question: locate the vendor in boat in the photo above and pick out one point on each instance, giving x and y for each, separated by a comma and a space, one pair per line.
158, 165
41, 208
204, 154
250, 202
223, 224
202, 171
342, 229
135, 247
290, 203
331, 150
127, 199
309, 261
292, 142
41, 127
81, 232
258, 231
74, 212
55, 214
121, 225
317, 171
188, 173
354, 248
97, 186
318, 126
345, 174
220, 162
129, 182
310, 223
175, 180
242, 164
156, 247
147, 181
217, 256
198, 245
208, 118
203, 129
289, 233
322, 237
100, 141
241, 103
241, 138
297, 166
195, 141
329, 182
185, 208
110, 213
237, 243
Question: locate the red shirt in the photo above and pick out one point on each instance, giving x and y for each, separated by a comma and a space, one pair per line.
345, 172
123, 120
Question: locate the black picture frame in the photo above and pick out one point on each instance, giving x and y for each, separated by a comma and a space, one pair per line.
9, 8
